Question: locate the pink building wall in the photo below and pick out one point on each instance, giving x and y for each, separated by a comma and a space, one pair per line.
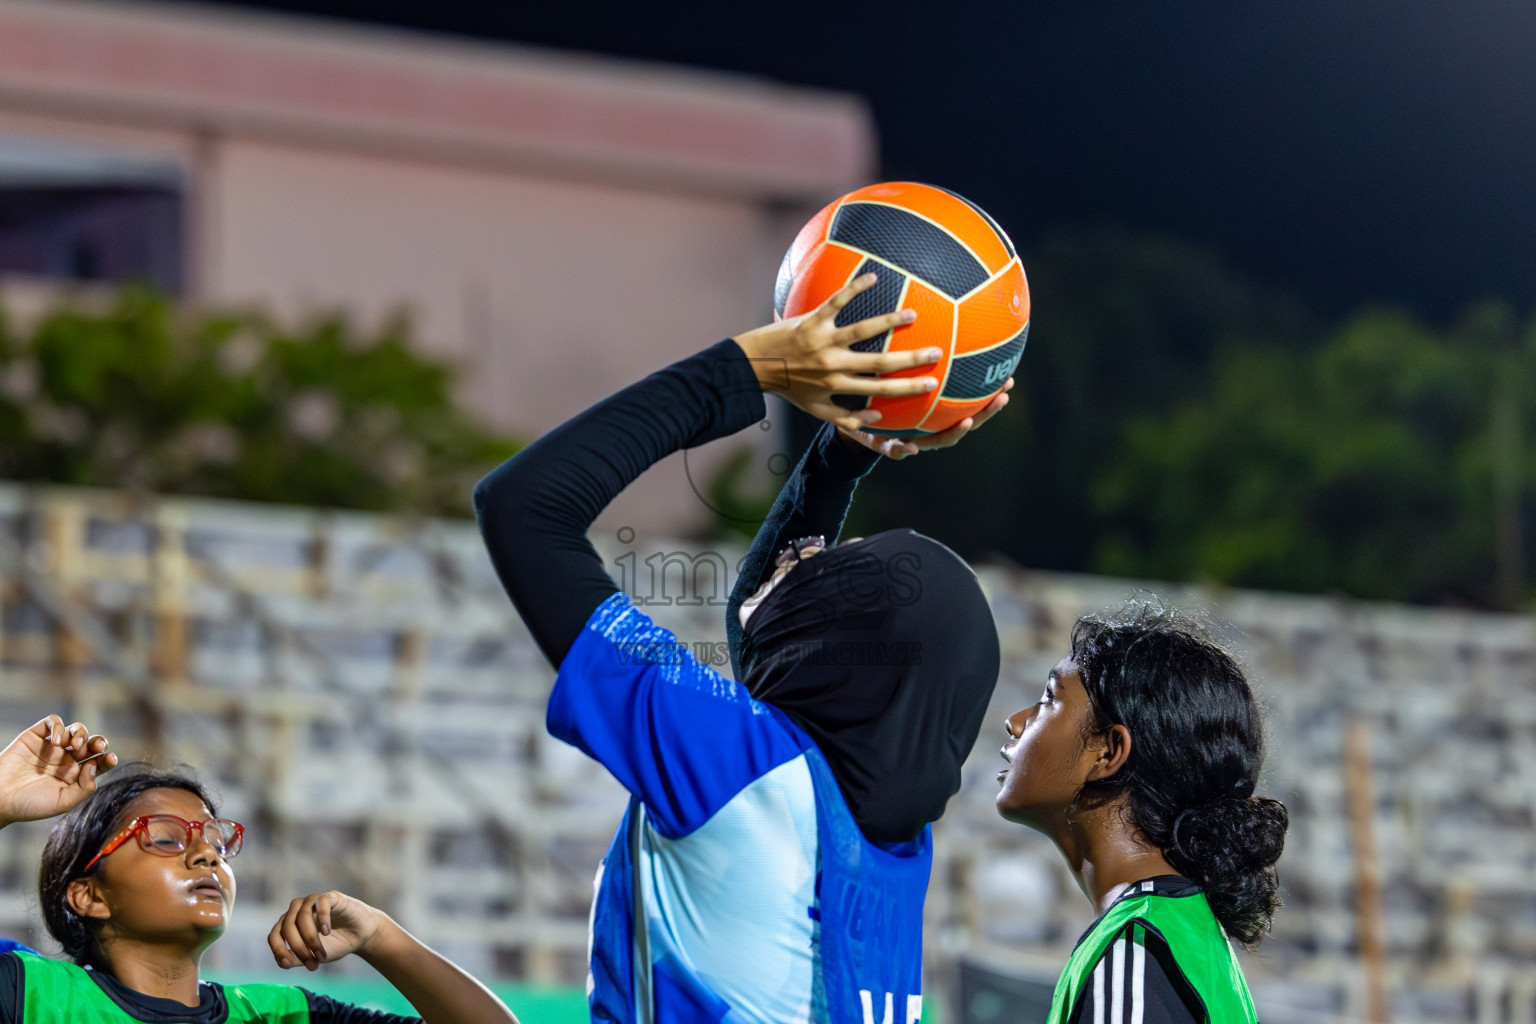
557, 224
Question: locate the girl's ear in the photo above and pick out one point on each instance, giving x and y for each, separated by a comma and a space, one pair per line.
1113, 755
86, 901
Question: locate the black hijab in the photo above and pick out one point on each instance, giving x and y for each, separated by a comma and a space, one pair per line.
884, 651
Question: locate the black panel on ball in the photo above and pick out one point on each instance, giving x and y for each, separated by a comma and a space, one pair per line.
782, 285
980, 374
884, 297
904, 240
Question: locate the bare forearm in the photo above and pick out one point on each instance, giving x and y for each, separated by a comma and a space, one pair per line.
435, 986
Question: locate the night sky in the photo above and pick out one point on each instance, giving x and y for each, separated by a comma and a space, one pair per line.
1349, 151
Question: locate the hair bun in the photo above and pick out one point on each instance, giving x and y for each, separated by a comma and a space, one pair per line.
1250, 832
1229, 848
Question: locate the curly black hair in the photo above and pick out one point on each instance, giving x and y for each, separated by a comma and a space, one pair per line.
80, 834
1197, 746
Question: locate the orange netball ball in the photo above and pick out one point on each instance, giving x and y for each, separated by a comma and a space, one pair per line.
938, 254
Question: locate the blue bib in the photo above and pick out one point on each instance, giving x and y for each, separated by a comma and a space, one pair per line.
870, 909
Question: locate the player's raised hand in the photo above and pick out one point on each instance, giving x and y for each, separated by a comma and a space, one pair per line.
50, 768
323, 927
899, 448
326, 926
808, 359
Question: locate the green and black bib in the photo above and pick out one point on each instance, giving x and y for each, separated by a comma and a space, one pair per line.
1193, 935
64, 993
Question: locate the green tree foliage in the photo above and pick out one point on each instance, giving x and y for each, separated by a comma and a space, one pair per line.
1388, 463
148, 396
1122, 326
1174, 421
738, 500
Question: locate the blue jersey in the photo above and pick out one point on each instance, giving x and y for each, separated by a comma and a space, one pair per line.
738, 887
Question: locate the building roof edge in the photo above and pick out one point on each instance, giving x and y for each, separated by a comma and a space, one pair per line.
316, 80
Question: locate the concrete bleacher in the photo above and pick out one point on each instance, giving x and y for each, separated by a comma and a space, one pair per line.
369, 704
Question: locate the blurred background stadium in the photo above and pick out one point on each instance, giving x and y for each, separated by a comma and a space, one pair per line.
277, 287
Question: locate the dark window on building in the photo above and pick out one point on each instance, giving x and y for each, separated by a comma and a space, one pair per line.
79, 214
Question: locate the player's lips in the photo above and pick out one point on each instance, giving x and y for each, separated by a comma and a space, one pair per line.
208, 887
1003, 774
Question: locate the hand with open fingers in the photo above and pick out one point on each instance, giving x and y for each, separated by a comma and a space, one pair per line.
808, 359
50, 768
323, 927
899, 448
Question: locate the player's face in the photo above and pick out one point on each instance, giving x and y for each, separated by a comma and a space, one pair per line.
185, 899
1047, 753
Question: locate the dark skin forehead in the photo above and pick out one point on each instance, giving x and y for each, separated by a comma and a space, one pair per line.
1066, 679
1067, 684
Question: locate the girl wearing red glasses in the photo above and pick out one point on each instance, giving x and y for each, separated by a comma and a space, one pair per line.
136, 884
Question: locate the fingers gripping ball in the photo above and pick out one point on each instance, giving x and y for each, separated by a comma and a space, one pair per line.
937, 254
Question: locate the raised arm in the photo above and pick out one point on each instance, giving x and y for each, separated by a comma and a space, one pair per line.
534, 510
50, 768
326, 926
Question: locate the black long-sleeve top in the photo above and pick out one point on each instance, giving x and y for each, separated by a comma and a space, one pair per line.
813, 502
535, 509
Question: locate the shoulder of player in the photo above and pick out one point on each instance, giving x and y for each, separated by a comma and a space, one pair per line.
12, 978
622, 642
324, 1009
1138, 978
638, 642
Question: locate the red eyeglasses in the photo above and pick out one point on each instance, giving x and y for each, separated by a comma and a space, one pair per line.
167, 835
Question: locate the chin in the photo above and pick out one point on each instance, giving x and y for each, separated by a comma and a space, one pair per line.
1011, 808
206, 937
213, 924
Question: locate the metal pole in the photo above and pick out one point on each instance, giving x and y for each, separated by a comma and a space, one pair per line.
1361, 794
